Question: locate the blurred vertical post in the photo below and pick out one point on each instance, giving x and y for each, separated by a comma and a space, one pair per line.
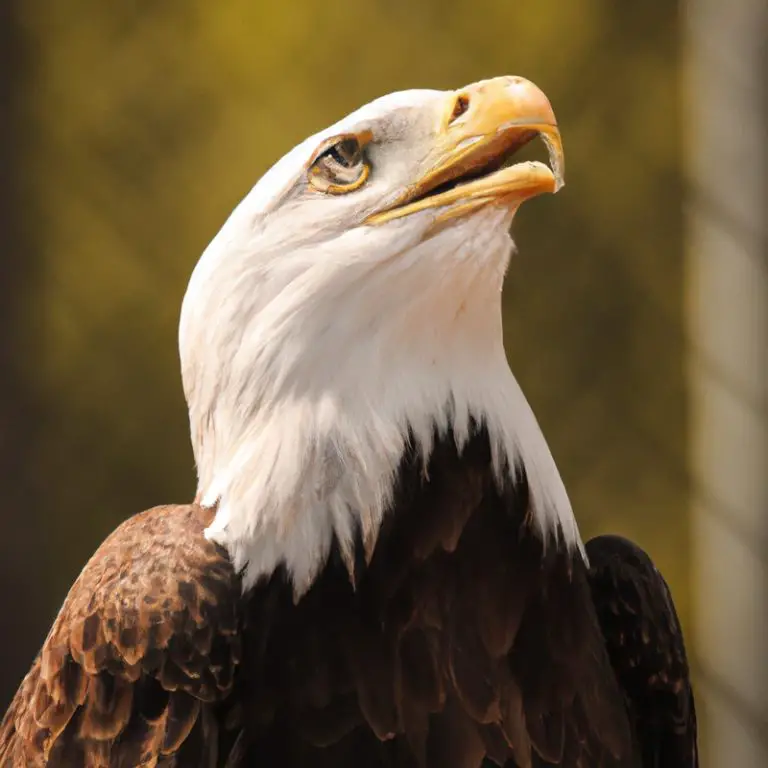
727, 136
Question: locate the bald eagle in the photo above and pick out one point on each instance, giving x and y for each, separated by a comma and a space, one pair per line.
381, 566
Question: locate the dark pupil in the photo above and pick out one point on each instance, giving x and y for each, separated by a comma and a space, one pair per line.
346, 152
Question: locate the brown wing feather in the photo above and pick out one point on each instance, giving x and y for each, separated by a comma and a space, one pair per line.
647, 649
146, 639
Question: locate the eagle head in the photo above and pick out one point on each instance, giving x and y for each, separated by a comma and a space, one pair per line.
351, 307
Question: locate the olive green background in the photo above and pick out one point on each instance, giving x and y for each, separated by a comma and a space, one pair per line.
130, 130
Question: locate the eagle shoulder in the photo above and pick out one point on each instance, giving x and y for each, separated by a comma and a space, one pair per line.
644, 640
146, 640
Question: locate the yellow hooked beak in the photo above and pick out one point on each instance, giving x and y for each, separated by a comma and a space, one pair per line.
483, 126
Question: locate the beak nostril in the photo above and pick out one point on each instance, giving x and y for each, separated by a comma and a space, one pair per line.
460, 107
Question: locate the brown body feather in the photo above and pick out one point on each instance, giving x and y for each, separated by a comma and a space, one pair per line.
464, 639
145, 643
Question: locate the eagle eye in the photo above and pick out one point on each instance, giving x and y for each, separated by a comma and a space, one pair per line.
340, 167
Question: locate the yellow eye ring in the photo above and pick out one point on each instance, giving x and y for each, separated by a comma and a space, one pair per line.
322, 184
339, 164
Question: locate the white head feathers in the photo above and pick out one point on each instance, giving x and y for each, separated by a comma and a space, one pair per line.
312, 343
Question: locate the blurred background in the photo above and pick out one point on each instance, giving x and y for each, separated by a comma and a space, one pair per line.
636, 312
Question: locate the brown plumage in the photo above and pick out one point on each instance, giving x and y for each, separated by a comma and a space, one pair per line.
646, 647
144, 645
465, 639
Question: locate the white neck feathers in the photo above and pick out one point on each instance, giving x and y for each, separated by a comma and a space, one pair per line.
303, 394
